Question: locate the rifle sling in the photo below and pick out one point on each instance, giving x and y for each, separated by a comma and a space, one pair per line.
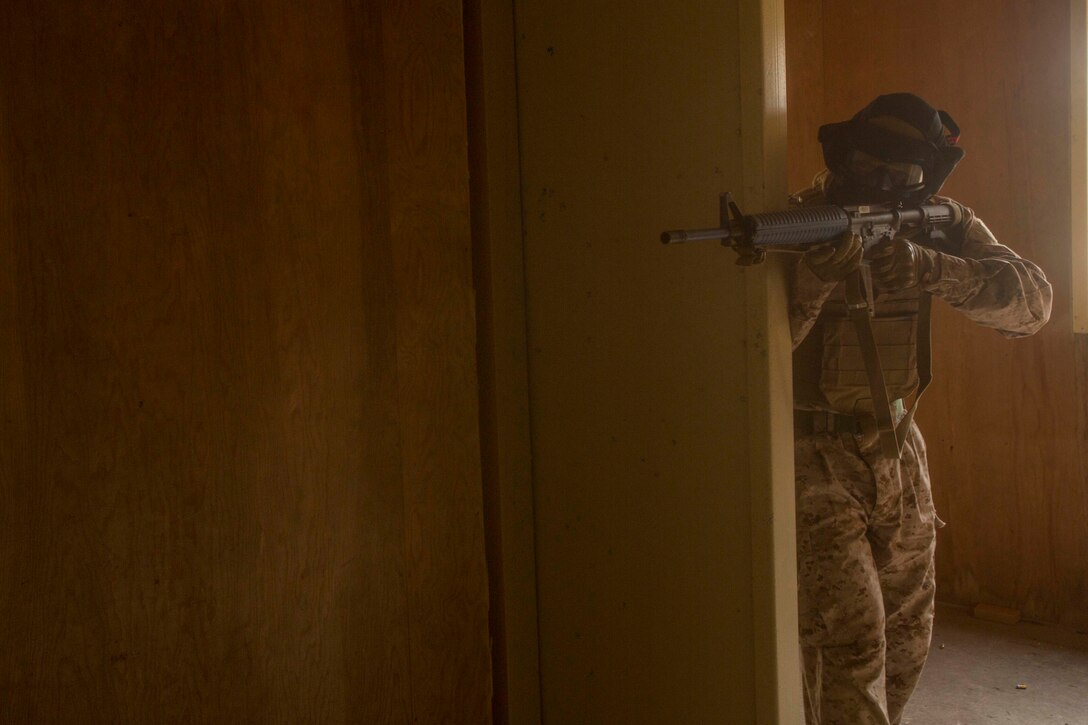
925, 362
860, 306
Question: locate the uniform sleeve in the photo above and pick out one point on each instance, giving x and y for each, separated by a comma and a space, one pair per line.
992, 285
807, 296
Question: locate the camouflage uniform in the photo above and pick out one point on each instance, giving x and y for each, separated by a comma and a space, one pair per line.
866, 526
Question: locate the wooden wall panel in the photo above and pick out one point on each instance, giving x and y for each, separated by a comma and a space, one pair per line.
804, 90
239, 461
1004, 419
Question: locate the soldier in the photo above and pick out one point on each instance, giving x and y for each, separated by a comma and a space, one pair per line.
866, 526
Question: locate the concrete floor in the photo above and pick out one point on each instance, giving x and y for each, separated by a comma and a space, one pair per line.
974, 668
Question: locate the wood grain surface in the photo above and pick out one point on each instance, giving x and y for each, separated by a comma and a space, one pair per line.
239, 460
1005, 419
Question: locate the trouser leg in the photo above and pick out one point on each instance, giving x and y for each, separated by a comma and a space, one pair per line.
903, 536
841, 606
909, 632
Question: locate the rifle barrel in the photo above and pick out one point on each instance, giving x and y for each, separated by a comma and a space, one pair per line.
680, 236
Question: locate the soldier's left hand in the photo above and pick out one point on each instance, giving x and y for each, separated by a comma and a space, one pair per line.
897, 264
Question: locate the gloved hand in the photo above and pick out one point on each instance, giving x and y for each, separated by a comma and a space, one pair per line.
831, 262
897, 264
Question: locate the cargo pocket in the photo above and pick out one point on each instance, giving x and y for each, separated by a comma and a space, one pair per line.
916, 468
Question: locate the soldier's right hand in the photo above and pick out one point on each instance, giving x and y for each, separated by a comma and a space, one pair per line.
833, 261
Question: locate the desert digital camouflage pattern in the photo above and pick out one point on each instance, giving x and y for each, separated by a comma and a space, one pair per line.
866, 534
866, 527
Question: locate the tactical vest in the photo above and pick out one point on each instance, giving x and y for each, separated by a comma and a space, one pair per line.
870, 365
829, 370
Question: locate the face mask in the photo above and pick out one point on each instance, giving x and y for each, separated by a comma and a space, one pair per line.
871, 180
869, 170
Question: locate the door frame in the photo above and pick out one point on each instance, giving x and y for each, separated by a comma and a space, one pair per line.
506, 421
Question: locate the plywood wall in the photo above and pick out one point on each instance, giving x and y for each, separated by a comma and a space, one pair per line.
239, 459
1005, 420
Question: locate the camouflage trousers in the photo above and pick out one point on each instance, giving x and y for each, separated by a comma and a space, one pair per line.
866, 530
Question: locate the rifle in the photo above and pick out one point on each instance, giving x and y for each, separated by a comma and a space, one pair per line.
753, 235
